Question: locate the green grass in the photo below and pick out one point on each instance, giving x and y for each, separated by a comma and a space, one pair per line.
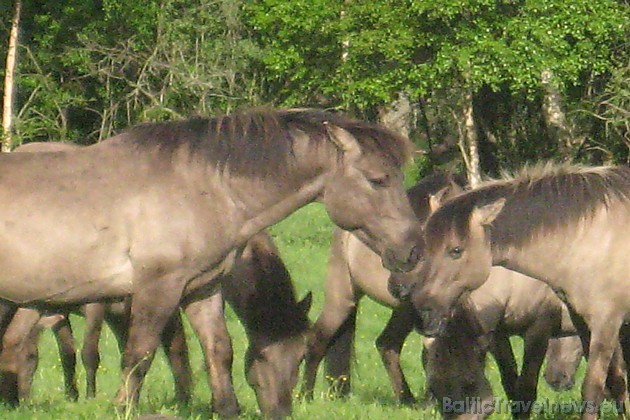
304, 240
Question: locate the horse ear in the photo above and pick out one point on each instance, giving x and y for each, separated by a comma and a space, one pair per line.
436, 200
306, 302
343, 140
485, 215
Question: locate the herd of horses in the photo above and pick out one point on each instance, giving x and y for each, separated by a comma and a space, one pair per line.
170, 218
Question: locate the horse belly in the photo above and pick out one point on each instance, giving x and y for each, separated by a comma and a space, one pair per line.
62, 264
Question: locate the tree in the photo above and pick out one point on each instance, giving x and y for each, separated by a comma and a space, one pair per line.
9, 82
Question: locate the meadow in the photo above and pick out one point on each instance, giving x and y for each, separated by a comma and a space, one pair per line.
303, 240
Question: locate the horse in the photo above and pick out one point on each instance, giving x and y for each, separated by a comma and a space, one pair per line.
352, 273
564, 355
262, 295
503, 308
565, 225
507, 304
160, 210
21, 344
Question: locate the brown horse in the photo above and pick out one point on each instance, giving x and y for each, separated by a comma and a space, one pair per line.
159, 211
567, 226
260, 291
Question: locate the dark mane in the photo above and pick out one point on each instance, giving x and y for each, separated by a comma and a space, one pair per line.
272, 307
260, 142
543, 198
419, 194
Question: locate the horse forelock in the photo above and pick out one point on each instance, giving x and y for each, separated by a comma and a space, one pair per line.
259, 143
539, 199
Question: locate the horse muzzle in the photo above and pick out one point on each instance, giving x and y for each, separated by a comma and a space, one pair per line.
431, 324
401, 260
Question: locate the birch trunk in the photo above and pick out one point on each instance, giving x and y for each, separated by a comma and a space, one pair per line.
7, 103
398, 115
555, 117
468, 142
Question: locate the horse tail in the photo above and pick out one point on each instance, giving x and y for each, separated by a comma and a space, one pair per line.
339, 356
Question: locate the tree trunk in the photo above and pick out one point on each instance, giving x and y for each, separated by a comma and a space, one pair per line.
398, 115
468, 143
554, 116
7, 103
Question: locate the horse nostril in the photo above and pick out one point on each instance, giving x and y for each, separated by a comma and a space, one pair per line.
414, 256
398, 290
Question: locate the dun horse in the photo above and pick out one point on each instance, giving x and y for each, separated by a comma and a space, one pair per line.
502, 308
157, 212
563, 359
260, 291
567, 226
508, 304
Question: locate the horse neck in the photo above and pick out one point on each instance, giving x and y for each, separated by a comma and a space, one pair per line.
548, 257
264, 202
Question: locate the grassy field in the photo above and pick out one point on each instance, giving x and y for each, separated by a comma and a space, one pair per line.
303, 240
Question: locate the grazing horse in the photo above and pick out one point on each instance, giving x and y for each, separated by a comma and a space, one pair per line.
508, 303
159, 211
564, 355
260, 291
565, 225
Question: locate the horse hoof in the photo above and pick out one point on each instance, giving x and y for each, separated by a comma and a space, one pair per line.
227, 411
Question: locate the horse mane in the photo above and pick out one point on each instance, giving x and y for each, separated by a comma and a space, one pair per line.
259, 142
543, 197
273, 308
419, 194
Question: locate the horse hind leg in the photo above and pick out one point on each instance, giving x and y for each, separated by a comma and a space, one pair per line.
389, 345
67, 351
90, 356
29, 358
176, 350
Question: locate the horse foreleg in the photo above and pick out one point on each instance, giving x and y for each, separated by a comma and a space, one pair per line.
67, 351
335, 323
94, 316
604, 340
208, 320
501, 349
616, 382
176, 350
152, 305
389, 345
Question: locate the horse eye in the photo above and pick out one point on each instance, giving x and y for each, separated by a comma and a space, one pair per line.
455, 252
379, 182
